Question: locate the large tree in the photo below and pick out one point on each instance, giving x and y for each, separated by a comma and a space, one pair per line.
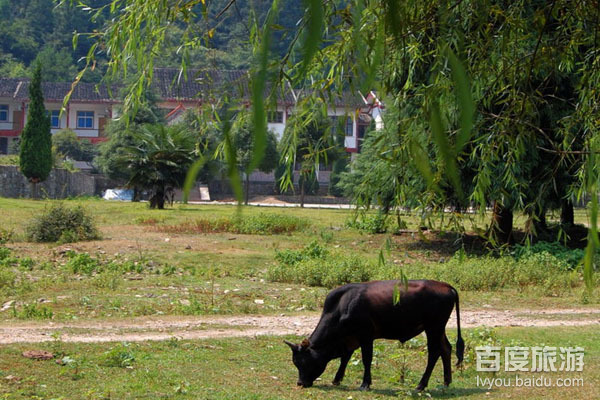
469, 80
35, 158
158, 159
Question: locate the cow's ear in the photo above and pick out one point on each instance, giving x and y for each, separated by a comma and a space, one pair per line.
293, 346
304, 345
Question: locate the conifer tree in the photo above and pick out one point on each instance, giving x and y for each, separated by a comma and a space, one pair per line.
36, 139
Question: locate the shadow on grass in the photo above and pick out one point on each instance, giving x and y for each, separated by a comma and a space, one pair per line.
439, 392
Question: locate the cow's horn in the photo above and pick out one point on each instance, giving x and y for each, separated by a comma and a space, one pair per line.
292, 345
305, 343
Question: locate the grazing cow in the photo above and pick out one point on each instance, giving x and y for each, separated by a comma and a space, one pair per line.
356, 314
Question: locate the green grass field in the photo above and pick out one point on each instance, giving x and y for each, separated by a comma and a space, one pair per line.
149, 264
260, 368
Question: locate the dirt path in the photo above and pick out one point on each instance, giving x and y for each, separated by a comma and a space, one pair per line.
166, 327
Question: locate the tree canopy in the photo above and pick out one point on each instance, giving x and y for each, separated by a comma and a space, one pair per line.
495, 102
35, 157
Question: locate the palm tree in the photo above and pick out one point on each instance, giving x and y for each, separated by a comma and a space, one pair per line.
158, 159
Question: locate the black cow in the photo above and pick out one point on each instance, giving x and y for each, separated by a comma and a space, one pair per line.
356, 314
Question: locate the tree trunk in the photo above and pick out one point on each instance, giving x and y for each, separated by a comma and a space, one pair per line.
567, 215
158, 198
303, 181
247, 188
502, 224
33, 188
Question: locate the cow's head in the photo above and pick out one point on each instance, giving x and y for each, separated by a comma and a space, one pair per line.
308, 361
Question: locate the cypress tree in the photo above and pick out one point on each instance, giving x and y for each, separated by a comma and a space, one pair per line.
36, 139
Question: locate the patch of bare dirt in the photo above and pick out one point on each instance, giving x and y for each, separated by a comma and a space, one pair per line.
163, 328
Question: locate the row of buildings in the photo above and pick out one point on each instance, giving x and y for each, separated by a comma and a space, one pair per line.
91, 106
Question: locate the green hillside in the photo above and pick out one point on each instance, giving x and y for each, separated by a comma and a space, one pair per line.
41, 30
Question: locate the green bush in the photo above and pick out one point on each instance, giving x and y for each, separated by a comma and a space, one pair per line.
5, 235
62, 224
33, 311
377, 223
82, 263
12, 159
571, 256
119, 356
7, 279
4, 253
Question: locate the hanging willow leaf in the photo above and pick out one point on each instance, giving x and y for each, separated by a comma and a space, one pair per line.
421, 161
231, 158
465, 101
315, 21
259, 79
191, 176
445, 149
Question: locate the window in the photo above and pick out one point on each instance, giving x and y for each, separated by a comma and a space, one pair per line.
3, 112
85, 119
54, 119
275, 117
349, 127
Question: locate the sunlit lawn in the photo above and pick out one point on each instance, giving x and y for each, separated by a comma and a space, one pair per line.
261, 368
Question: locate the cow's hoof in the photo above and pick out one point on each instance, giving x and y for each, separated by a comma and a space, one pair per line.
364, 387
420, 388
336, 383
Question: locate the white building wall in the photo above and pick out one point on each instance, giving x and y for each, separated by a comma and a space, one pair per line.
63, 117
12, 107
99, 110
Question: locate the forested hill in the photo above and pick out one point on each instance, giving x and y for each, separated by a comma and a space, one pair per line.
33, 30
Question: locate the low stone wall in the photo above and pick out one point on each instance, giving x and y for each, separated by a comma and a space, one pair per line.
222, 189
59, 185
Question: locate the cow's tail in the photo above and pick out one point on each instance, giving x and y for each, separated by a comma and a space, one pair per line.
460, 344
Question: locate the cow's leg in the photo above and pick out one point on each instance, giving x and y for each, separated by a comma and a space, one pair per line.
433, 350
366, 349
446, 359
342, 369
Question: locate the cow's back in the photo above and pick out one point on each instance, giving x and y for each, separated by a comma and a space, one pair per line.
368, 309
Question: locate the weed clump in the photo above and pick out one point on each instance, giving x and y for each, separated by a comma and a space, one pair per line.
377, 223
62, 224
120, 356
314, 265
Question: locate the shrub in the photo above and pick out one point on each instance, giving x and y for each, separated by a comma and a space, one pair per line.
5, 235
12, 159
571, 256
7, 279
119, 356
377, 223
82, 263
4, 253
62, 224
33, 311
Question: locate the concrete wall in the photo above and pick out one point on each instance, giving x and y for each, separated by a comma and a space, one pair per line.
59, 185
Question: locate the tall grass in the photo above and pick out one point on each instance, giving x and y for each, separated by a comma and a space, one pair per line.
316, 266
261, 224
